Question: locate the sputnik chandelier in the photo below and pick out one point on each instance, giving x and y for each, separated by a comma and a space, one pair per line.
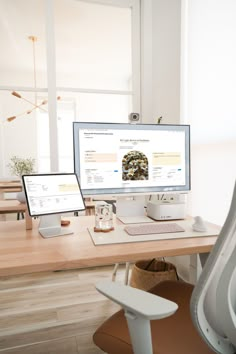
34, 104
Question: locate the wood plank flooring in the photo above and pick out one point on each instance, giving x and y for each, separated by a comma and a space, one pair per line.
53, 312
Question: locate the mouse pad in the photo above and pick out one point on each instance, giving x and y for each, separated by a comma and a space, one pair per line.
118, 235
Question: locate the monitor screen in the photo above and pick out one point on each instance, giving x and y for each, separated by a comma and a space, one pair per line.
112, 158
52, 193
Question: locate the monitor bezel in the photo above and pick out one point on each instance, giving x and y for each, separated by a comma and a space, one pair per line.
51, 174
116, 192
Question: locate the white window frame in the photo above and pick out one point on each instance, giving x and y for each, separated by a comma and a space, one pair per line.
51, 69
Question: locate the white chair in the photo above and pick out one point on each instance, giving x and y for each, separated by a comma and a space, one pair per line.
175, 317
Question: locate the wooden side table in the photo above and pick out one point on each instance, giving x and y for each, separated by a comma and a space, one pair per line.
9, 187
13, 206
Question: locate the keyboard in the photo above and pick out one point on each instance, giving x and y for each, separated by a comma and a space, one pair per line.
153, 228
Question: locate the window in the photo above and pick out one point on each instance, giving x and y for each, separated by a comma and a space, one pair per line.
96, 72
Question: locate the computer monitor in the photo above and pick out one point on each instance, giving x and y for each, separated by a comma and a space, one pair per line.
131, 159
50, 195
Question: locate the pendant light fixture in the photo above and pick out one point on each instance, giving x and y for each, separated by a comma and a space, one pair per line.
34, 104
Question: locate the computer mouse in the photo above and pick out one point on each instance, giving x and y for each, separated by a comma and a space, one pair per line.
199, 224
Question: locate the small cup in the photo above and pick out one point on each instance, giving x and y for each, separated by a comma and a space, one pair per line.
103, 217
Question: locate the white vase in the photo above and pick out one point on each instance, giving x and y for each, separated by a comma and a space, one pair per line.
20, 196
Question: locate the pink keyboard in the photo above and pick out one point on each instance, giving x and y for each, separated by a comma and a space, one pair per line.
153, 228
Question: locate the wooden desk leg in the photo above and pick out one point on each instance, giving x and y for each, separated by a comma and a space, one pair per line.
115, 271
126, 273
28, 221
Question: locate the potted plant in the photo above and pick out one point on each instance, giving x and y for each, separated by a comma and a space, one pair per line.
21, 166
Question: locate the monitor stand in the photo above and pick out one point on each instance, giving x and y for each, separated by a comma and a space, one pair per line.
130, 210
50, 226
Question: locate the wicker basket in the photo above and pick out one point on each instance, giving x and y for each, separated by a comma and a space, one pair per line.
147, 273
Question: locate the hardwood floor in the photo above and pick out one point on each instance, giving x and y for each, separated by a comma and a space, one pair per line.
53, 312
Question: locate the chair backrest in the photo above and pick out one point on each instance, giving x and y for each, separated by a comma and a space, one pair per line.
213, 302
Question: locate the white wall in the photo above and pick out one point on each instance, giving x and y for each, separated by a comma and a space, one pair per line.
166, 24
209, 106
211, 109
160, 60
211, 70
213, 178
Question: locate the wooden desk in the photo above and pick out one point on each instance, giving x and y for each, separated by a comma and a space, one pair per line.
12, 206
9, 187
25, 251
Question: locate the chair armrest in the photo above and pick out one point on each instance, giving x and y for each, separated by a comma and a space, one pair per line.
137, 301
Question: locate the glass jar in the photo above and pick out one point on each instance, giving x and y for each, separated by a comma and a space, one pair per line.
103, 217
